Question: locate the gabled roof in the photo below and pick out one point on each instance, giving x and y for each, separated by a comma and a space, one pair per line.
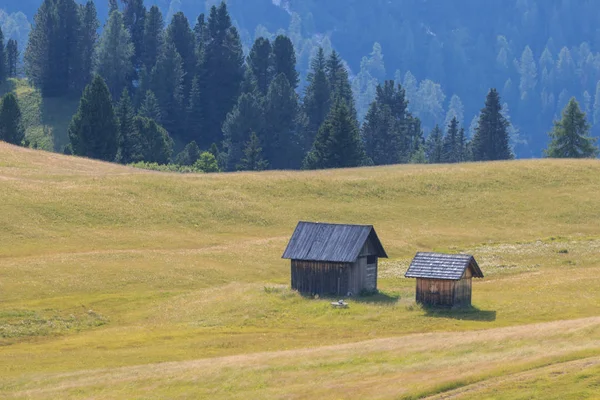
313, 241
442, 266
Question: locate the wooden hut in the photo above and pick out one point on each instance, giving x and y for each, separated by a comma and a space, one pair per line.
444, 279
334, 259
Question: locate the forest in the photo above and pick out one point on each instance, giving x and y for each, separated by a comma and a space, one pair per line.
188, 85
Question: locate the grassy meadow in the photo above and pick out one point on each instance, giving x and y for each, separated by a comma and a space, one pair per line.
118, 283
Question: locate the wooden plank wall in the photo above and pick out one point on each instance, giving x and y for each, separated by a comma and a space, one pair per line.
435, 292
322, 278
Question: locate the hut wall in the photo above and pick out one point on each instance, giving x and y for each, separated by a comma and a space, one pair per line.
322, 278
462, 292
435, 292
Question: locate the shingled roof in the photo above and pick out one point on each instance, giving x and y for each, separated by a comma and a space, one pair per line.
313, 241
442, 266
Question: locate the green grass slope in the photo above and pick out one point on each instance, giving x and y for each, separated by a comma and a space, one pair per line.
123, 283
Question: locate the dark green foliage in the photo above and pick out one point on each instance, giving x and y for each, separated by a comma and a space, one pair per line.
571, 135
434, 147
153, 39
155, 144
338, 143
150, 107
114, 55
259, 63
12, 58
88, 37
3, 59
180, 35
246, 117
167, 85
113, 5
280, 135
452, 147
339, 83
94, 129
125, 115
189, 155
194, 117
316, 99
207, 163
134, 17
11, 125
67, 58
223, 72
284, 60
491, 141
253, 159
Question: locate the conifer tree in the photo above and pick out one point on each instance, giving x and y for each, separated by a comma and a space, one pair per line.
155, 144
451, 145
88, 36
11, 125
114, 54
339, 83
284, 60
571, 135
491, 140
435, 146
167, 85
316, 98
463, 146
125, 115
381, 135
3, 59
260, 63
153, 39
94, 129
181, 36
150, 107
194, 117
338, 143
134, 18
67, 58
12, 58
189, 155
252, 159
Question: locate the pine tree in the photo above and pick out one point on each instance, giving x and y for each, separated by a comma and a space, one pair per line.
252, 159
155, 144
316, 98
381, 135
94, 129
3, 59
571, 135
491, 140
88, 36
284, 60
281, 111
339, 83
125, 115
150, 107
153, 37
451, 146
12, 58
181, 36
463, 146
189, 155
195, 116
434, 146
134, 18
68, 56
259, 63
114, 55
223, 65
338, 143
11, 125
167, 84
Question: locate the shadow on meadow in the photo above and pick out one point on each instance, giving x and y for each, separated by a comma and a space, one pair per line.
465, 313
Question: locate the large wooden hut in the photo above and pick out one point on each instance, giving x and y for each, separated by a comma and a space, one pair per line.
334, 259
444, 279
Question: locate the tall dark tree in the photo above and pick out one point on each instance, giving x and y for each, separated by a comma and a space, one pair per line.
491, 140
68, 56
11, 125
125, 115
451, 145
153, 37
180, 35
338, 143
284, 60
339, 83
94, 129
195, 113
88, 36
3, 59
223, 66
260, 64
155, 144
253, 159
150, 108
571, 135
167, 85
316, 99
434, 147
12, 58
189, 155
134, 18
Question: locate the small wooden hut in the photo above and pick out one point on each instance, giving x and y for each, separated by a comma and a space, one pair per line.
444, 279
334, 259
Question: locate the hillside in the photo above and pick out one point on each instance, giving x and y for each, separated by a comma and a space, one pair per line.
118, 282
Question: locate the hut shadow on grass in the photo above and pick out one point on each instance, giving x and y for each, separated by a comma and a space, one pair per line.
469, 313
373, 298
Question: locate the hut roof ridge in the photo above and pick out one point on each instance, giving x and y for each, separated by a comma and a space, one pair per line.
442, 266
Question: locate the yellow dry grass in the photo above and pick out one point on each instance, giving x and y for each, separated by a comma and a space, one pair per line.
122, 283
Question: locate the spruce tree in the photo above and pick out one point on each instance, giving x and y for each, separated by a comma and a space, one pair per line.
223, 65
153, 37
88, 36
150, 107
134, 18
125, 115
12, 58
381, 135
189, 155
181, 36
451, 145
94, 129
3, 59
194, 116
571, 135
11, 125
463, 146
338, 143
339, 83
155, 144
284, 60
491, 140
114, 55
252, 159
316, 99
167, 85
68, 56
259, 62
434, 146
